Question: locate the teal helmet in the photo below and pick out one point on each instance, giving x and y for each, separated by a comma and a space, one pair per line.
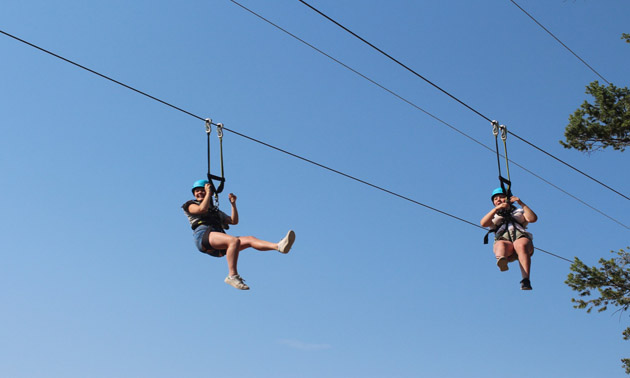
199, 184
496, 192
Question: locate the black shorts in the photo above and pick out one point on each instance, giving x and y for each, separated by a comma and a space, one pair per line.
202, 241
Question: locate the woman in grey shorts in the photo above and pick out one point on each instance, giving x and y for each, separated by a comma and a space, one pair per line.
511, 241
209, 225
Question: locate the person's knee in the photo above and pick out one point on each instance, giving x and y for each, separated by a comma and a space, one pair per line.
523, 245
235, 242
502, 248
247, 241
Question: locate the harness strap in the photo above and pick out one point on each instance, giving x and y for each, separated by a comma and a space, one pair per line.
220, 135
506, 184
495, 132
507, 219
211, 177
485, 238
507, 190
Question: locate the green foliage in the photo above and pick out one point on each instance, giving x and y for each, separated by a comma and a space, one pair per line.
592, 127
606, 123
611, 281
603, 124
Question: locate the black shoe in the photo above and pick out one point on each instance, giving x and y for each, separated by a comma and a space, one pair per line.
525, 284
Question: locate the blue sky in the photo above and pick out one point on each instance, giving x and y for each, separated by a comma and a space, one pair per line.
100, 277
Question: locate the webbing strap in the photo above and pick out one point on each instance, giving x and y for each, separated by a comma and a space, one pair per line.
220, 135
211, 177
506, 183
495, 132
485, 238
508, 190
507, 218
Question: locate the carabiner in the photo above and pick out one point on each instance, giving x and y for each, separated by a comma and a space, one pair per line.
495, 128
220, 130
208, 125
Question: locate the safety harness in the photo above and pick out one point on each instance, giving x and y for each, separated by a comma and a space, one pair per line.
505, 225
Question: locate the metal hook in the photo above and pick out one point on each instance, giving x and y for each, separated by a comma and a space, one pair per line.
503, 132
208, 125
220, 130
495, 128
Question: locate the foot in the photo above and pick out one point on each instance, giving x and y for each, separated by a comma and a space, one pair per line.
502, 263
237, 282
525, 284
284, 245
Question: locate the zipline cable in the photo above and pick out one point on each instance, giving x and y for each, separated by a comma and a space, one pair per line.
559, 41
453, 97
567, 193
395, 60
568, 165
99, 74
266, 144
409, 102
240, 134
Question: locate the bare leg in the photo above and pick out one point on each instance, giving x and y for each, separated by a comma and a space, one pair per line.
260, 245
232, 246
503, 248
524, 248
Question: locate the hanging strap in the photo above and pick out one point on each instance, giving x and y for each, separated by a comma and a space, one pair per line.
211, 177
485, 238
220, 135
506, 183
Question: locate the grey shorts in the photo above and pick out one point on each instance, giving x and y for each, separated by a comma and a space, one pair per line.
514, 236
201, 236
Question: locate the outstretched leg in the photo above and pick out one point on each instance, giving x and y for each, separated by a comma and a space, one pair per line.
283, 246
253, 242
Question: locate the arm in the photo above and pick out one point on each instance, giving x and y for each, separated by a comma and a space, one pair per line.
233, 219
528, 213
204, 205
486, 221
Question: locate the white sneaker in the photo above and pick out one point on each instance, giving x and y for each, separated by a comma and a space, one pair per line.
237, 282
284, 245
